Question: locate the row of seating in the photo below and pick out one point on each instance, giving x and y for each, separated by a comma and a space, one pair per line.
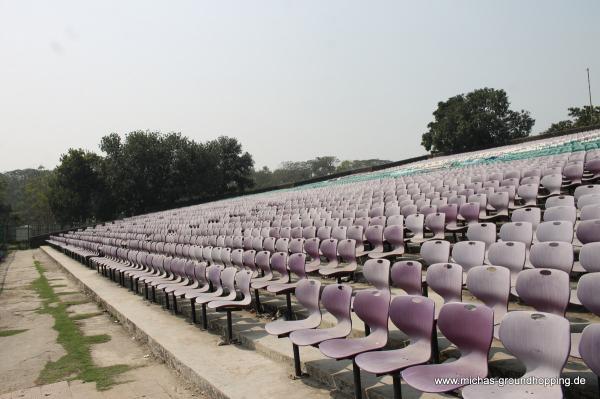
485, 227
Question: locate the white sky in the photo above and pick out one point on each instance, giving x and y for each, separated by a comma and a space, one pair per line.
290, 79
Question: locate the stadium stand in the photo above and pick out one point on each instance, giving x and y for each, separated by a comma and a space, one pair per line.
519, 222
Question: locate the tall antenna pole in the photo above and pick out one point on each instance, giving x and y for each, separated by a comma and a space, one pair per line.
590, 94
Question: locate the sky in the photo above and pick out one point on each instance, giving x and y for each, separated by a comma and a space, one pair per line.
290, 79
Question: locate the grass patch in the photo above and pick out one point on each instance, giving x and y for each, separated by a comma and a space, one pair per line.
8, 333
71, 303
77, 364
83, 316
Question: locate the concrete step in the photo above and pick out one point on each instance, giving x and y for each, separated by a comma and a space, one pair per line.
337, 376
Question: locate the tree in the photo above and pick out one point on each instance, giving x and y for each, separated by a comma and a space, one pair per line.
77, 187
476, 120
580, 117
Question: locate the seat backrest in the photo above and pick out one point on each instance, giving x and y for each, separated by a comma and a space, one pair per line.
446, 280
485, 232
558, 230
491, 285
414, 316
470, 327
517, 231
541, 341
373, 307
531, 215
469, 254
406, 275
435, 251
568, 213
589, 212
297, 264
587, 292
336, 298
307, 293
547, 290
509, 254
589, 257
279, 263
263, 261
394, 235
588, 347
311, 246
552, 255
296, 245
377, 273
374, 234
560, 200
589, 231
347, 250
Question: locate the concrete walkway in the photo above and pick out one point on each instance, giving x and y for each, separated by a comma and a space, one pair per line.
221, 371
24, 355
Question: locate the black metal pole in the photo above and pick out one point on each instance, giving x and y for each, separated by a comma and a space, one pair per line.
397, 386
357, 384
297, 367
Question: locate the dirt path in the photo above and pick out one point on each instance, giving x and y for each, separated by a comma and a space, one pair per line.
32, 362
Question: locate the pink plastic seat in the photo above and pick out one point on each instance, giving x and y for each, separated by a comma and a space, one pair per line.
446, 280
546, 290
435, 251
347, 253
508, 254
491, 285
469, 254
541, 342
555, 231
393, 235
406, 275
470, 328
372, 307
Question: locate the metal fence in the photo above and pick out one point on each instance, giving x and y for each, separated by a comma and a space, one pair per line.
20, 235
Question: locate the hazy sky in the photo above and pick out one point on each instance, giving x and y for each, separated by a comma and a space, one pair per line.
290, 79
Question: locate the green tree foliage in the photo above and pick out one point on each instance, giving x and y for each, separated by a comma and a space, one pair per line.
476, 120
290, 172
26, 196
148, 171
77, 187
580, 117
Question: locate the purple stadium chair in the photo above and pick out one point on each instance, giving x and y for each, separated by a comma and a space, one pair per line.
374, 235
470, 328
347, 252
588, 231
589, 212
552, 255
588, 199
546, 290
225, 292
560, 200
499, 202
491, 285
446, 280
531, 215
242, 283
336, 299
589, 257
517, 231
555, 231
406, 275
307, 293
372, 307
585, 190
394, 235
552, 184
468, 254
568, 213
589, 347
541, 342
311, 247
296, 264
413, 315
329, 249
485, 232
508, 254
527, 193
435, 251
416, 225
